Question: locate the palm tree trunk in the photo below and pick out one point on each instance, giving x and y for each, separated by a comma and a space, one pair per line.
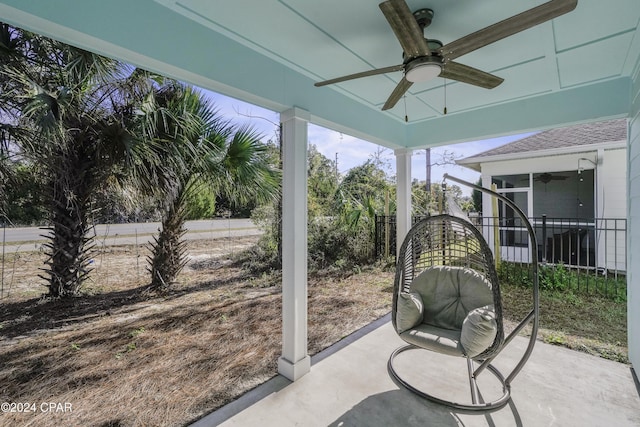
168, 252
69, 247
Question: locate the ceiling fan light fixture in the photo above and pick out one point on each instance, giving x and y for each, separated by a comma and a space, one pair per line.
423, 69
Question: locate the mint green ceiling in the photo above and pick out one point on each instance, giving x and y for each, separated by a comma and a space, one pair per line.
573, 69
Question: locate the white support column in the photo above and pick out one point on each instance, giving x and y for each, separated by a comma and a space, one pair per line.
487, 213
602, 238
403, 198
294, 362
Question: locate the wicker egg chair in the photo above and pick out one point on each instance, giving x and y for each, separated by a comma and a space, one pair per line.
447, 299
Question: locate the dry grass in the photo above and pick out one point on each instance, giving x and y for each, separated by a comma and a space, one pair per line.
587, 323
124, 357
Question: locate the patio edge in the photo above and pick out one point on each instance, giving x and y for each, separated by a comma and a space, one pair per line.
278, 382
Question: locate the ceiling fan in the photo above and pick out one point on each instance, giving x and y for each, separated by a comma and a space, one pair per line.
424, 59
546, 178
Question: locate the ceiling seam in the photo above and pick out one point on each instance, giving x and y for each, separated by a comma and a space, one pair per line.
252, 45
634, 41
507, 101
373, 67
552, 57
598, 40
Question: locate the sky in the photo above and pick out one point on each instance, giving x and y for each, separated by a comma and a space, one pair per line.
352, 151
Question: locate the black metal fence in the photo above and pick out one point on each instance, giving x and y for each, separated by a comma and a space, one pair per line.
385, 235
581, 254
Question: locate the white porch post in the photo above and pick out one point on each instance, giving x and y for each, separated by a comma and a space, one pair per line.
488, 214
403, 198
294, 362
601, 243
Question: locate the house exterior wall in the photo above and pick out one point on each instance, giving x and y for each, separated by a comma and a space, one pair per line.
613, 174
633, 276
556, 163
602, 194
612, 196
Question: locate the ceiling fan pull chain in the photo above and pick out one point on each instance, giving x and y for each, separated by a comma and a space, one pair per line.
445, 97
406, 117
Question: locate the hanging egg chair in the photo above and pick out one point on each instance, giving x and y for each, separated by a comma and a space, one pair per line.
447, 299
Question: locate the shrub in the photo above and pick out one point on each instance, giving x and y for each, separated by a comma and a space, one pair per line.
556, 278
515, 274
331, 243
201, 204
560, 279
327, 243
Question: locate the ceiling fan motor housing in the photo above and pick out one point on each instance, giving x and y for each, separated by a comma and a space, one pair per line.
424, 17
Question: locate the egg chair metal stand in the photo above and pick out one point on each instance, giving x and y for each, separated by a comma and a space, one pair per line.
447, 299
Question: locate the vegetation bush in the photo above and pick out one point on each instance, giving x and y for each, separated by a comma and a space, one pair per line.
561, 280
341, 217
327, 243
265, 255
24, 203
331, 243
556, 278
515, 274
201, 204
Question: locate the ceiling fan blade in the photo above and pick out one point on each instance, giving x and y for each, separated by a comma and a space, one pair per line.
473, 76
361, 74
397, 93
508, 27
406, 28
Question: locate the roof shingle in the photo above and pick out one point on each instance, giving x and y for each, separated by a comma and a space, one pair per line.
572, 136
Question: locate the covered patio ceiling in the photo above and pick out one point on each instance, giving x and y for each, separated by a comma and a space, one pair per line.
573, 69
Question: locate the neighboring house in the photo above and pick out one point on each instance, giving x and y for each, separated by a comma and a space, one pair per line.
574, 180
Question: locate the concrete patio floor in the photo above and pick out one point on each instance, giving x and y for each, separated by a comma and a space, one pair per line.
349, 386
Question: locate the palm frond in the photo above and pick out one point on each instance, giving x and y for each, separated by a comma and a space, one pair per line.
249, 171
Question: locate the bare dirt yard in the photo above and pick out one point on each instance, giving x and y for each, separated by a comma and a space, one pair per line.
122, 356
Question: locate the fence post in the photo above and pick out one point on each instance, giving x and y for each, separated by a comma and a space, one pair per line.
137, 256
386, 226
375, 236
544, 238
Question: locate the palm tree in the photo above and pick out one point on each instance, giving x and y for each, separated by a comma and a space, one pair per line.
205, 151
72, 113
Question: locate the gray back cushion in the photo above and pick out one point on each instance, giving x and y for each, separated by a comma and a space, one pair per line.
450, 293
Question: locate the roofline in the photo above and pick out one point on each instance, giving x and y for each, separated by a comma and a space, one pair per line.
476, 160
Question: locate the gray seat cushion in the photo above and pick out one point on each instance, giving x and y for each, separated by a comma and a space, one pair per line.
410, 311
448, 310
445, 341
479, 330
450, 293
